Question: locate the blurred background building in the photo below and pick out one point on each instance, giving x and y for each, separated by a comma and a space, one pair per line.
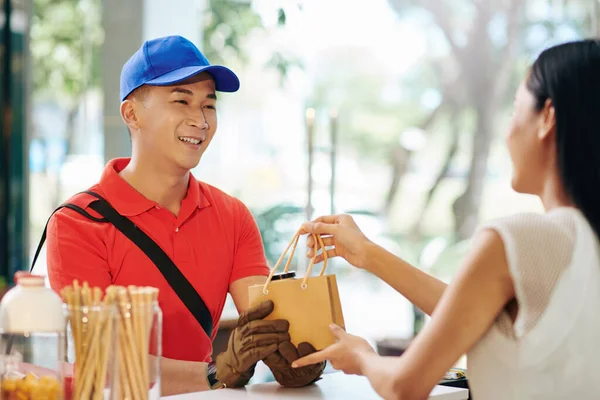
390, 110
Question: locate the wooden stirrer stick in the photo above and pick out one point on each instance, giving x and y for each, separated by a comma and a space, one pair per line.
131, 349
106, 319
91, 360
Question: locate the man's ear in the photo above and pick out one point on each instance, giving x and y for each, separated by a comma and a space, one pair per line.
129, 114
547, 121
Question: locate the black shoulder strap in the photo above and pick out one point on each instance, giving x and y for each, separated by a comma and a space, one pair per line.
178, 282
43, 239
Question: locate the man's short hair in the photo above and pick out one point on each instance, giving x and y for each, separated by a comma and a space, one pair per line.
140, 93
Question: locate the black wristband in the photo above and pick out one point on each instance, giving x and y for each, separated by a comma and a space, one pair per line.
211, 376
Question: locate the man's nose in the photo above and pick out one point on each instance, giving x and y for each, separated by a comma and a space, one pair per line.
198, 120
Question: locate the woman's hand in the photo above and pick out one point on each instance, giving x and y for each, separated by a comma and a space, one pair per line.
354, 356
342, 234
347, 355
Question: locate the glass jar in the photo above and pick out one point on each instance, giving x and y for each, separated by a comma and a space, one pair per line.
139, 349
32, 341
114, 345
91, 334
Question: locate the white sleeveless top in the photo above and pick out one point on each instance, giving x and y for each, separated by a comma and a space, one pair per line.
552, 351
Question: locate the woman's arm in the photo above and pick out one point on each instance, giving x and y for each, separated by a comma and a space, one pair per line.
344, 239
465, 312
420, 288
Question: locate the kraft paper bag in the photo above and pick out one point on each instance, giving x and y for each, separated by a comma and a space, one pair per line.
309, 304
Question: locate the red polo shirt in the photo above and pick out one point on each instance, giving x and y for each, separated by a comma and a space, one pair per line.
214, 241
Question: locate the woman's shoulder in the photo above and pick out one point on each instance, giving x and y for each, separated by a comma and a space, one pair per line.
539, 247
559, 222
532, 240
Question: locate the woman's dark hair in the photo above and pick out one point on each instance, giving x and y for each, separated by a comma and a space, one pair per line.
569, 75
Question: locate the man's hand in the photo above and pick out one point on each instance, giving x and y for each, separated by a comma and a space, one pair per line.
251, 341
280, 363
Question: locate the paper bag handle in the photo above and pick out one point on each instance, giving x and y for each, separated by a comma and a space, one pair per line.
293, 244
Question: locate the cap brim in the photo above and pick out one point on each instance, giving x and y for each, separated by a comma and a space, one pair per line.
225, 79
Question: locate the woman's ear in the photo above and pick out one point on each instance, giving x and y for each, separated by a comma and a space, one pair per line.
129, 115
547, 120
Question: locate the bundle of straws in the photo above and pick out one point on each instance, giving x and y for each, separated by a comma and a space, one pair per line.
124, 316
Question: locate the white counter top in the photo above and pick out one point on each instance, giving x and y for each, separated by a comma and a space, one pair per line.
335, 386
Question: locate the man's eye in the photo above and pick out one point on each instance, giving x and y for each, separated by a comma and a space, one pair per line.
211, 107
181, 102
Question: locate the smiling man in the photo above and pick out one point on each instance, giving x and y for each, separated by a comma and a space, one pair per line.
149, 222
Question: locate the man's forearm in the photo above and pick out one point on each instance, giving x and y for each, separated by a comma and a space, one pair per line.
179, 376
420, 288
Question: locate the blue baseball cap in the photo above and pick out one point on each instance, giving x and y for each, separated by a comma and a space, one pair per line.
167, 60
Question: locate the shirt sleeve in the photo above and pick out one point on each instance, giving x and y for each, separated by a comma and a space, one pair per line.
249, 258
76, 251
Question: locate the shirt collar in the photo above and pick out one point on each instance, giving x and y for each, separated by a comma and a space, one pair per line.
195, 194
129, 202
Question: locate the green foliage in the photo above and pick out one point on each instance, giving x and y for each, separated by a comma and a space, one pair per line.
66, 36
228, 23
282, 63
276, 226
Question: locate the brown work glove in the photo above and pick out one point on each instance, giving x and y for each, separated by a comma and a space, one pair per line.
280, 364
251, 341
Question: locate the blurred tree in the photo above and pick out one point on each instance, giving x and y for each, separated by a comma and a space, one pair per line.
66, 36
228, 23
372, 111
479, 72
483, 82
65, 43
